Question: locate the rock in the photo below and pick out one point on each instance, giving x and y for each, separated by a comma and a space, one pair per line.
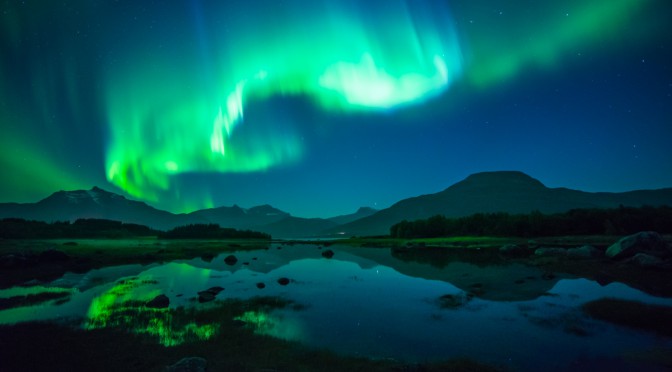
53, 255
261, 285
449, 301
231, 260
512, 250
209, 294
159, 302
205, 296
189, 364
586, 251
283, 281
328, 253
646, 261
550, 252
648, 242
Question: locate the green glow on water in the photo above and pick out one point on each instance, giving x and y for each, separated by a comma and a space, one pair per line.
171, 115
123, 306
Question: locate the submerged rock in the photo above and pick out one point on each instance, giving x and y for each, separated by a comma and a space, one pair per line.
159, 302
261, 285
283, 281
512, 250
586, 251
328, 253
209, 294
231, 260
647, 261
550, 252
648, 242
455, 301
189, 364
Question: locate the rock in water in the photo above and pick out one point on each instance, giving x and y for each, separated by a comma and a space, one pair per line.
550, 252
648, 242
586, 251
190, 364
209, 294
231, 260
646, 261
283, 281
159, 302
328, 253
512, 250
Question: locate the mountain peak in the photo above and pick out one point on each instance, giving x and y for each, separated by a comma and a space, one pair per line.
499, 179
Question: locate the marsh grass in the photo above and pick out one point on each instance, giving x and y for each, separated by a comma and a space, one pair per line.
38, 346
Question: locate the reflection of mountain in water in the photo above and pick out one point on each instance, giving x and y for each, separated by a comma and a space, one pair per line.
480, 273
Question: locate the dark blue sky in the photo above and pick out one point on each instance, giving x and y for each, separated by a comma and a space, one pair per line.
124, 94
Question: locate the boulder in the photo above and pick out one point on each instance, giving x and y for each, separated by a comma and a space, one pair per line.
209, 294
648, 242
189, 364
646, 261
231, 260
283, 281
159, 302
550, 252
586, 251
328, 253
512, 250
261, 285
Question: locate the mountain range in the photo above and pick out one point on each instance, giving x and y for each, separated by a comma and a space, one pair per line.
504, 191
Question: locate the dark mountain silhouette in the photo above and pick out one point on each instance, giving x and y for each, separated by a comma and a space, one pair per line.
346, 218
297, 227
509, 191
239, 218
512, 192
94, 203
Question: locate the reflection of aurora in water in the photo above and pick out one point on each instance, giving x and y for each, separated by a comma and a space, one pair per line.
123, 307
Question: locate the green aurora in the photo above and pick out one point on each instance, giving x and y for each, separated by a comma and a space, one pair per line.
149, 103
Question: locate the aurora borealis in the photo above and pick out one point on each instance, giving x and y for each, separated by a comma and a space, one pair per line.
321, 107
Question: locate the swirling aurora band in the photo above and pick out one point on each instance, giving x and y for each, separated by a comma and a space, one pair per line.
174, 117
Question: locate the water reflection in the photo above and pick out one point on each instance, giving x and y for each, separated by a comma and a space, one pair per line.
362, 302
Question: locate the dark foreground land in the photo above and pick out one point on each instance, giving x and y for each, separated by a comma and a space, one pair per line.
37, 346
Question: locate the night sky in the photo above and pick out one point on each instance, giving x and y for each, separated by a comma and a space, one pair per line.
319, 107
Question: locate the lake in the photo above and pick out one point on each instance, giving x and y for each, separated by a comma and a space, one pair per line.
376, 303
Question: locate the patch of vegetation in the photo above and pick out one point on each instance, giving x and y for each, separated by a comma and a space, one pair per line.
31, 299
619, 221
633, 314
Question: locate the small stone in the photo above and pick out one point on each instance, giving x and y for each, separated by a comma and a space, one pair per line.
328, 253
283, 281
261, 285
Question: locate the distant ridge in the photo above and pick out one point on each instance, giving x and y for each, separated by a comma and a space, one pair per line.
487, 192
504, 191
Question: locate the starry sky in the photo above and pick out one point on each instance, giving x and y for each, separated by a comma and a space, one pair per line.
321, 107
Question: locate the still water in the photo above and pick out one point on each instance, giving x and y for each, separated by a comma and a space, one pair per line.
371, 302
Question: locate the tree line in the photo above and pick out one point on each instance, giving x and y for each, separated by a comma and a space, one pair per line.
211, 231
617, 221
85, 228
90, 228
